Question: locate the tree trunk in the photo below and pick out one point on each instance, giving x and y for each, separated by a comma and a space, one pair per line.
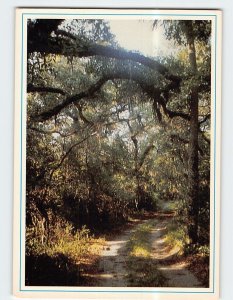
136, 171
193, 172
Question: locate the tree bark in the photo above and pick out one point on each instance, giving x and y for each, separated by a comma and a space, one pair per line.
193, 171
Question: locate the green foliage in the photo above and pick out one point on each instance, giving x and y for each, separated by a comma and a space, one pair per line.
139, 244
177, 30
177, 237
116, 152
61, 260
63, 239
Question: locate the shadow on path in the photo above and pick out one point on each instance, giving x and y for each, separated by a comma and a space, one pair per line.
175, 271
112, 271
112, 265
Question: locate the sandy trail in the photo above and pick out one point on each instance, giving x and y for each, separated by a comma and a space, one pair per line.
176, 273
112, 265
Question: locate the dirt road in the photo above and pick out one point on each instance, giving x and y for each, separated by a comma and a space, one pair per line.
176, 273
112, 266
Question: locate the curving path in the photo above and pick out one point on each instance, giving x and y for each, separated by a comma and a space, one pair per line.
176, 273
112, 265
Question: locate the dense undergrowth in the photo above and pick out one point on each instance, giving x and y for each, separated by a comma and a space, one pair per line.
64, 260
108, 137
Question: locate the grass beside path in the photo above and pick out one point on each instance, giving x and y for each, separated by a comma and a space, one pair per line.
141, 268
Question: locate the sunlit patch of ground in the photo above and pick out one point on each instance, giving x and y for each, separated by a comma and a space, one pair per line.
172, 267
142, 271
112, 264
141, 257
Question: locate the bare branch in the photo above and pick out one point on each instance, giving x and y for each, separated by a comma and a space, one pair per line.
44, 89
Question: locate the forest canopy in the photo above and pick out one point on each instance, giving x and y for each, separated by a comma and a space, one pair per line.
113, 133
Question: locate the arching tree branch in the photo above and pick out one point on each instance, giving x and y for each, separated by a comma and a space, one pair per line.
67, 44
69, 100
44, 89
152, 91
